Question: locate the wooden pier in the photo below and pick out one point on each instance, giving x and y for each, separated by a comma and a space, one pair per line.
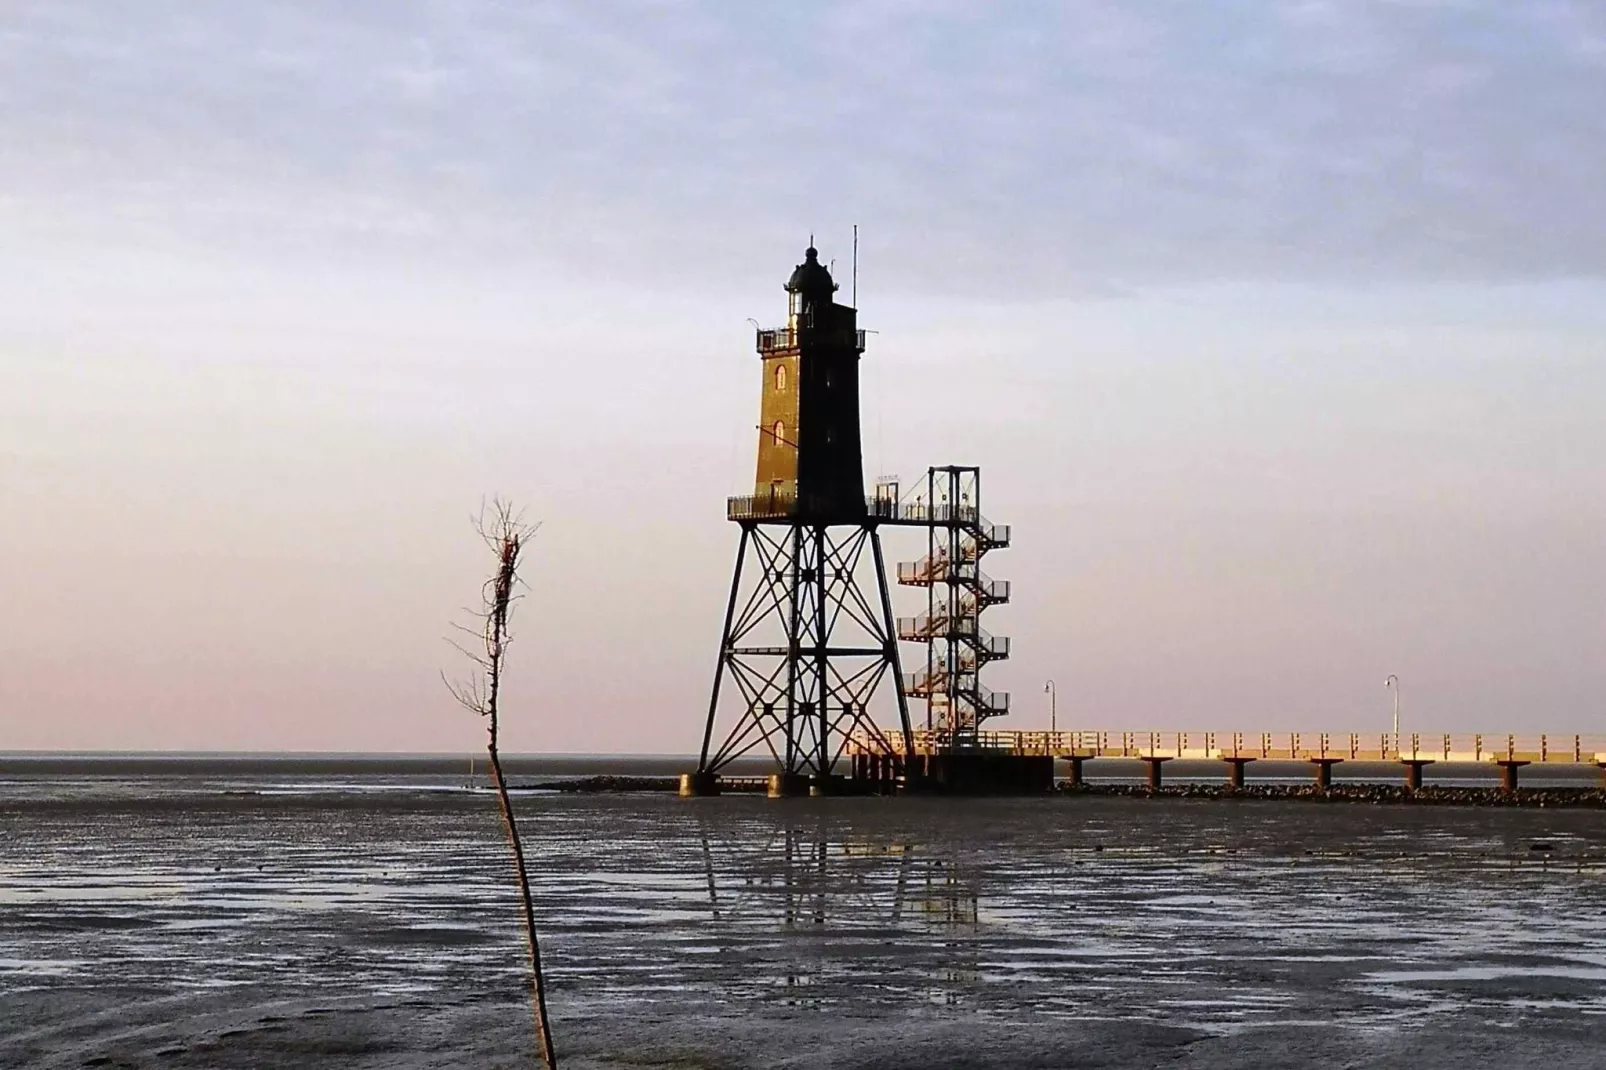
1237, 750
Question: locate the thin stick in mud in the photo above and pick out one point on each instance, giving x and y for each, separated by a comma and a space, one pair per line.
505, 533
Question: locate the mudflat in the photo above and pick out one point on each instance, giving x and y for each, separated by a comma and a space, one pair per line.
249, 918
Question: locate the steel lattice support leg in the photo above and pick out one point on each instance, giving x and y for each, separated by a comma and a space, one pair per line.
890, 623
806, 644
724, 645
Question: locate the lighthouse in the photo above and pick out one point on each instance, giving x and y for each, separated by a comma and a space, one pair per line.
810, 646
809, 636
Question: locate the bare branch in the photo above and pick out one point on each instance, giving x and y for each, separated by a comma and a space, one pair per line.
467, 693
505, 534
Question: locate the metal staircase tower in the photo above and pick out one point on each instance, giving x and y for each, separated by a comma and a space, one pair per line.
958, 591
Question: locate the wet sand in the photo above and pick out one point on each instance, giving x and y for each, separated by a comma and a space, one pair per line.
254, 921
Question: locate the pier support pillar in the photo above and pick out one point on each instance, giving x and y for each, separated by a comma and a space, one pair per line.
787, 786
1508, 772
1602, 766
1324, 771
1155, 765
1074, 776
695, 784
873, 774
892, 769
1235, 771
1413, 771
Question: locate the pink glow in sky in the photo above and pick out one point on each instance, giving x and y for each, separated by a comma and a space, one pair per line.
1282, 391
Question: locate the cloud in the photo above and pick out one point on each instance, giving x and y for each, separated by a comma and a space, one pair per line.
997, 148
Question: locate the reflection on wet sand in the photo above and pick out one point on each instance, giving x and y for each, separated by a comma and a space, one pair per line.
1199, 917
807, 879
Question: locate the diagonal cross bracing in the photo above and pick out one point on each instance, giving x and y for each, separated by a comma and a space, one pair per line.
809, 639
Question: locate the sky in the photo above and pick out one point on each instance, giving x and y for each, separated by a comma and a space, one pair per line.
1277, 328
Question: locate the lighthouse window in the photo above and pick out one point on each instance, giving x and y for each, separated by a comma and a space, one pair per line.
779, 432
780, 377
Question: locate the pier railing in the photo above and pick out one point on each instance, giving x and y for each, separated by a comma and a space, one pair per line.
1542, 748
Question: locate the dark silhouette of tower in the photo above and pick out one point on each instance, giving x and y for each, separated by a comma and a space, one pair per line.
809, 634
809, 462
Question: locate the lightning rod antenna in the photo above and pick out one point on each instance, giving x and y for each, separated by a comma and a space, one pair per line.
855, 265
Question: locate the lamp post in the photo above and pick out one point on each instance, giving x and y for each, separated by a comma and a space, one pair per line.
1393, 684
1053, 700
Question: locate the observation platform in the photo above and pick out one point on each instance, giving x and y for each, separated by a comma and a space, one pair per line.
788, 509
786, 339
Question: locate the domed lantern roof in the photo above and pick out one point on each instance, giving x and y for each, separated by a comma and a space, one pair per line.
811, 278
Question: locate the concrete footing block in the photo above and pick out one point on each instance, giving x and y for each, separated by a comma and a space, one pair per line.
787, 786
693, 785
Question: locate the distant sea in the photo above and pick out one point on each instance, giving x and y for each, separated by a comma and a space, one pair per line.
90, 769
356, 911
246, 763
